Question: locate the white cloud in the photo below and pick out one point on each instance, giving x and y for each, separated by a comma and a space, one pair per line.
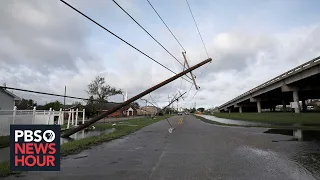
48, 52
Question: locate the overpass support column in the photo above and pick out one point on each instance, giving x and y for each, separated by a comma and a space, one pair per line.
304, 106
240, 109
284, 106
229, 110
296, 99
259, 106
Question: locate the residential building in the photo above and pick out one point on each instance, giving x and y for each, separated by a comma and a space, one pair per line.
149, 110
128, 110
8, 100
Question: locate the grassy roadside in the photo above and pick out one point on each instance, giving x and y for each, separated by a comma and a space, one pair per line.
74, 147
4, 141
277, 117
77, 146
271, 126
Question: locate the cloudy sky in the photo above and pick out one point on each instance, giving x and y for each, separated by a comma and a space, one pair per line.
45, 45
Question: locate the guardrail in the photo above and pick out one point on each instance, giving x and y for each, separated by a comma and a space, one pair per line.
289, 73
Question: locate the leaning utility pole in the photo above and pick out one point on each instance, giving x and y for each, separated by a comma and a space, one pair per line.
100, 116
186, 62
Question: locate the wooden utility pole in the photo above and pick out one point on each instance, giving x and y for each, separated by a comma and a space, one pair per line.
100, 116
64, 99
186, 61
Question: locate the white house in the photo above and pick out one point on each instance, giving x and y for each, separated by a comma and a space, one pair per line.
8, 100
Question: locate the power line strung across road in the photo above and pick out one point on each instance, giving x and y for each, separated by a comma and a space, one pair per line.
120, 38
153, 100
166, 25
147, 32
50, 94
197, 29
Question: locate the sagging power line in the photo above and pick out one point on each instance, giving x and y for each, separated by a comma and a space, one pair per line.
120, 38
147, 32
50, 94
166, 25
140, 95
197, 28
153, 100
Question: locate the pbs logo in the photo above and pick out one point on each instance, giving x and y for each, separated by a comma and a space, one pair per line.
35, 136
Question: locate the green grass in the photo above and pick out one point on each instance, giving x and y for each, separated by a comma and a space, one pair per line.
277, 117
77, 146
103, 126
5, 169
63, 126
4, 141
275, 126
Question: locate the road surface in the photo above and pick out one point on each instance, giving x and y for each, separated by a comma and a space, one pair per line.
195, 150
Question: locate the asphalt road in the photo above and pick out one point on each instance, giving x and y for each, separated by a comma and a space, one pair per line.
195, 150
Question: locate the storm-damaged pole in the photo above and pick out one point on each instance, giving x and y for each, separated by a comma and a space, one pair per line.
69, 132
173, 100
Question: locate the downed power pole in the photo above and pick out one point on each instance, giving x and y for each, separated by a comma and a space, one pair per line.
100, 116
173, 100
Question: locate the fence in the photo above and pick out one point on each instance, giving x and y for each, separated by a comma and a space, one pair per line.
34, 116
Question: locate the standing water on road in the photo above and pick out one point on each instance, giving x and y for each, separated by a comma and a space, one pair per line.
233, 122
297, 134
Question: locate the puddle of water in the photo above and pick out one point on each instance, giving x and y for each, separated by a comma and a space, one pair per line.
123, 122
84, 134
301, 135
233, 122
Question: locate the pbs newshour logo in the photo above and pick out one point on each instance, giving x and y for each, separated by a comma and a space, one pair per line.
35, 147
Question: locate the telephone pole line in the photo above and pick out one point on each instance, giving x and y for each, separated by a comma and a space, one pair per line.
140, 95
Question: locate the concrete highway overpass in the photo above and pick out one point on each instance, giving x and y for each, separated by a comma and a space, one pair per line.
290, 88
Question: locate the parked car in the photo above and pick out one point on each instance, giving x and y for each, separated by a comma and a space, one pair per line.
180, 113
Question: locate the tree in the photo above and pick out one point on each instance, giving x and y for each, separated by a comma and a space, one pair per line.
101, 91
90, 107
193, 110
136, 105
56, 105
78, 105
200, 109
26, 104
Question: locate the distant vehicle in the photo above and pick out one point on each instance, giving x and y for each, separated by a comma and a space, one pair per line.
186, 113
180, 113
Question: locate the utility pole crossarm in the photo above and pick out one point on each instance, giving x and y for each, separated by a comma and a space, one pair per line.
114, 109
186, 61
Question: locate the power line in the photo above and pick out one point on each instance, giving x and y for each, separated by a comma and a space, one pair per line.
148, 34
204, 70
146, 31
50, 94
189, 90
153, 100
166, 25
197, 29
194, 95
120, 38
182, 70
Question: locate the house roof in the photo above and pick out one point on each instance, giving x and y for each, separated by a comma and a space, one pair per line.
10, 93
150, 107
109, 105
71, 106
